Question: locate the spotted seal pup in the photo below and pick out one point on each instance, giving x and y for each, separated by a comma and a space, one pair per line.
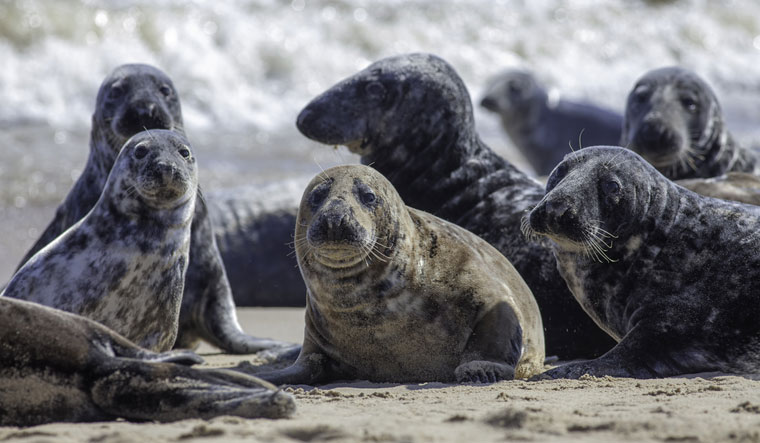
543, 125
398, 295
123, 264
673, 120
133, 98
670, 274
410, 117
60, 367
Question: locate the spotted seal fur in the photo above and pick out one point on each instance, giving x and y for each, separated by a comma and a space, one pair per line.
670, 274
673, 120
399, 295
543, 126
410, 117
59, 367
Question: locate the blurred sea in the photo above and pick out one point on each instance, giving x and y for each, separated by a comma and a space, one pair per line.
244, 68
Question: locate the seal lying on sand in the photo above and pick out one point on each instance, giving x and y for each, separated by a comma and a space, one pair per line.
674, 121
131, 99
670, 274
542, 127
56, 366
398, 295
410, 117
123, 265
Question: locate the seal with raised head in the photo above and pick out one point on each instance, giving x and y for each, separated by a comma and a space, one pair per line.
673, 120
60, 367
398, 295
544, 126
123, 264
134, 98
410, 117
670, 274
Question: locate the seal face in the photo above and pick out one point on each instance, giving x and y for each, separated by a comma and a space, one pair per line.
670, 274
544, 126
410, 118
59, 367
673, 120
124, 263
398, 295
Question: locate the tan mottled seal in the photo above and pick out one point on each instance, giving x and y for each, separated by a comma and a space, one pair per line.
398, 295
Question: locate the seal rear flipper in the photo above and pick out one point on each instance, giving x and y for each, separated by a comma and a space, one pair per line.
167, 392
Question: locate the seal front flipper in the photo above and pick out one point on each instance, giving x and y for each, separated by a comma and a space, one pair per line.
312, 367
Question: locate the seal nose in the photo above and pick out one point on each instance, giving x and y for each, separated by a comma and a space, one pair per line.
334, 225
489, 103
144, 114
654, 136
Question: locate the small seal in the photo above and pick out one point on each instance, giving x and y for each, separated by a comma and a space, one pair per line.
674, 121
60, 367
398, 295
543, 126
134, 98
123, 265
410, 118
670, 274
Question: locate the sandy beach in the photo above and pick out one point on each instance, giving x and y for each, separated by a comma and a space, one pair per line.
698, 408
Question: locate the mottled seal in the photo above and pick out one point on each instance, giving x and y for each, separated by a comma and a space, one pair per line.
399, 295
543, 125
410, 117
56, 366
673, 120
123, 264
133, 98
736, 186
670, 274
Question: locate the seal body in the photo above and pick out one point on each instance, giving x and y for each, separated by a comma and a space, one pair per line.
544, 127
736, 186
124, 263
398, 295
673, 120
410, 118
670, 274
131, 99
56, 366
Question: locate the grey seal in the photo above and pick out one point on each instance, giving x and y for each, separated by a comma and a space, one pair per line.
133, 98
670, 274
410, 117
398, 295
60, 367
673, 120
543, 126
123, 264
736, 186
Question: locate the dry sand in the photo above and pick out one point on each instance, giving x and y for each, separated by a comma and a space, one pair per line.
700, 408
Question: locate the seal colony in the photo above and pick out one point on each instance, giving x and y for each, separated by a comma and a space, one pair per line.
670, 274
123, 264
673, 120
56, 366
398, 295
410, 118
133, 98
544, 126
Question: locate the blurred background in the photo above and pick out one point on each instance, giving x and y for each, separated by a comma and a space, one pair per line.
244, 69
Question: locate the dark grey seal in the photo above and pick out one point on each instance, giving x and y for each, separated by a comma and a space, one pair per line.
673, 120
410, 117
398, 295
59, 367
123, 264
670, 274
131, 99
542, 126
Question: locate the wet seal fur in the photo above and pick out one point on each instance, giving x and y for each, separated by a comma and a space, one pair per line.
123, 264
410, 117
59, 367
673, 120
670, 274
133, 98
543, 125
398, 295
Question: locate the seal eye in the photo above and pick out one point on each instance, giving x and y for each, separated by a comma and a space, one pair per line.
641, 93
690, 104
375, 90
115, 92
559, 173
165, 90
184, 152
318, 195
140, 152
367, 197
610, 187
